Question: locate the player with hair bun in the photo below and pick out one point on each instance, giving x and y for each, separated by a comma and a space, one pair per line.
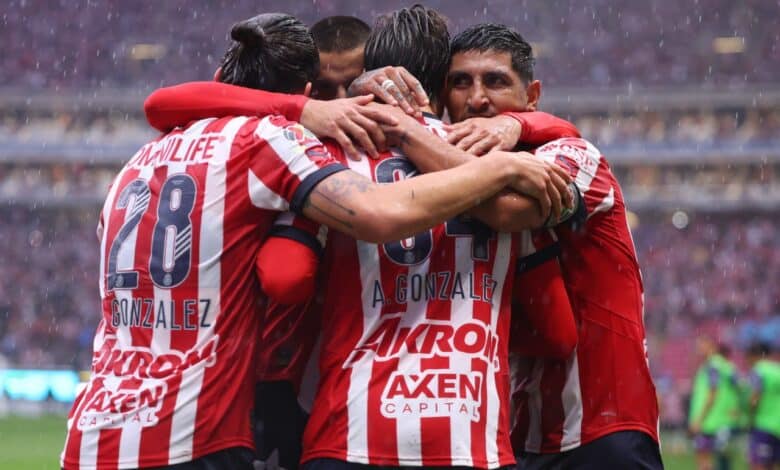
172, 372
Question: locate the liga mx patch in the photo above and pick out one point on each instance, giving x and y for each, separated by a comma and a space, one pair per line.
305, 138
299, 134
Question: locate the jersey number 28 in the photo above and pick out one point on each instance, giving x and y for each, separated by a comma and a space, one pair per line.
169, 263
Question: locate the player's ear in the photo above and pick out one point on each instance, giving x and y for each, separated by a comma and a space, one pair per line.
307, 89
218, 74
534, 92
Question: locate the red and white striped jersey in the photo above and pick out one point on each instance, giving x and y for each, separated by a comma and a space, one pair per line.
413, 360
605, 386
173, 365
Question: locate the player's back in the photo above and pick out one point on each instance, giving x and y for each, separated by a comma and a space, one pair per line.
175, 345
606, 385
411, 365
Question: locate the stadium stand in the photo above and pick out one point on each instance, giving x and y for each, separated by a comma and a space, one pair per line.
700, 168
710, 43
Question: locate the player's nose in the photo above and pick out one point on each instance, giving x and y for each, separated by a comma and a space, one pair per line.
478, 99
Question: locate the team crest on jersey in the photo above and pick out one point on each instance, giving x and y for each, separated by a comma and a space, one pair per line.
128, 386
434, 392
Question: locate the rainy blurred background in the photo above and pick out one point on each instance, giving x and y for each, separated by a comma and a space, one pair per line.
681, 96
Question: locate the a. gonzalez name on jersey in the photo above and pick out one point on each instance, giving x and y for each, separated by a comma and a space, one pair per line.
442, 285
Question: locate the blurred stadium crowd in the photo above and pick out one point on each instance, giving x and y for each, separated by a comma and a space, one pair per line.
683, 126
709, 43
707, 235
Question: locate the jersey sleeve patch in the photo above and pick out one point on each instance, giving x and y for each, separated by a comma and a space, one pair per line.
588, 168
290, 156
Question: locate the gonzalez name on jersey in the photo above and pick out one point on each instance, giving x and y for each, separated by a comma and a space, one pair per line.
173, 354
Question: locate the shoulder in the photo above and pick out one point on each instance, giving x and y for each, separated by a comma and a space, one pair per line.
278, 126
572, 150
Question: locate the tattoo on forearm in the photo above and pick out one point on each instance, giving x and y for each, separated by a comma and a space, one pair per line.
336, 192
335, 202
328, 214
340, 186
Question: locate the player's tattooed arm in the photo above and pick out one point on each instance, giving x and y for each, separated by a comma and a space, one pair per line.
349, 202
331, 199
540, 191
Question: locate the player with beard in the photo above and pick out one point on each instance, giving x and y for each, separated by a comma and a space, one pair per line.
171, 377
595, 408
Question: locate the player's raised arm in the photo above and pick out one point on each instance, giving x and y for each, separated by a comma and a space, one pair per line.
342, 120
349, 202
177, 105
543, 186
311, 182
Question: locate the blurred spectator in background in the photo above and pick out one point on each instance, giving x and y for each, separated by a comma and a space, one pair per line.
709, 43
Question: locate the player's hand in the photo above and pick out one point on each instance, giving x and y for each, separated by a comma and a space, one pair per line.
348, 119
479, 136
394, 86
546, 182
395, 134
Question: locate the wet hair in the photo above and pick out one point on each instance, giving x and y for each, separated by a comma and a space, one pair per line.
415, 38
273, 52
497, 37
339, 33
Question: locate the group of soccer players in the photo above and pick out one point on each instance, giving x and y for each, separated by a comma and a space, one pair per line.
723, 404
484, 314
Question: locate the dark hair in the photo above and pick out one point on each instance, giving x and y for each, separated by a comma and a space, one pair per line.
415, 38
272, 52
339, 33
497, 37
